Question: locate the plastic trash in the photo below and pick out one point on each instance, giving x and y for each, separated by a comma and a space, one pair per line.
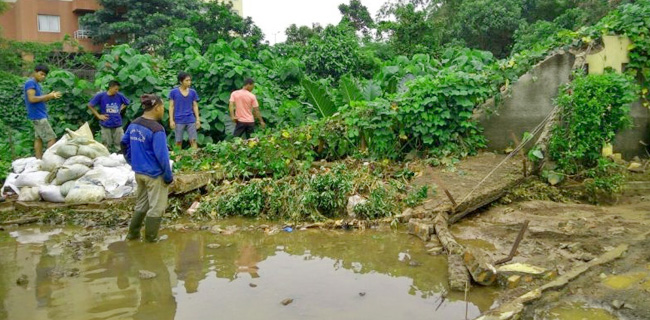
10, 183
287, 229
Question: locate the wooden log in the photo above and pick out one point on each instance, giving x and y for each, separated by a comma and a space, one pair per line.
479, 266
184, 183
444, 235
421, 228
459, 278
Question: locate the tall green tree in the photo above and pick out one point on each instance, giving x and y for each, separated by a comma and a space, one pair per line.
143, 24
216, 21
356, 15
302, 34
337, 52
410, 30
488, 24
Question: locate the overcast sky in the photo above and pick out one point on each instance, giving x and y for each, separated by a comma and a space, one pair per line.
274, 16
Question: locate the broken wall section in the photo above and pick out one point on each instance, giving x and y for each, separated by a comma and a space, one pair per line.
532, 97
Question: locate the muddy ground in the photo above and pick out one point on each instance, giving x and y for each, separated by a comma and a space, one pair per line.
560, 237
563, 236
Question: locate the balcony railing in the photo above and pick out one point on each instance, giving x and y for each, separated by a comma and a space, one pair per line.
82, 34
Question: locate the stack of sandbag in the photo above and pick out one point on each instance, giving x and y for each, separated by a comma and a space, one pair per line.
76, 169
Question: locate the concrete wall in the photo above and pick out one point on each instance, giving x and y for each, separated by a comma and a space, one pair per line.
630, 143
529, 102
532, 99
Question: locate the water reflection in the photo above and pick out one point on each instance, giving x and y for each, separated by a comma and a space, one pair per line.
342, 275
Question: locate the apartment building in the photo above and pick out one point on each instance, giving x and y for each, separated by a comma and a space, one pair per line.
47, 21
50, 20
237, 6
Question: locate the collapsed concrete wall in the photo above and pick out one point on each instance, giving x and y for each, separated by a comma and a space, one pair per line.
531, 99
529, 102
632, 142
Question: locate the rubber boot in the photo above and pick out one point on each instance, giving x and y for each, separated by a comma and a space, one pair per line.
135, 225
151, 226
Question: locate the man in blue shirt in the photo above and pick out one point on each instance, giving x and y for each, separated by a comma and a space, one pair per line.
184, 110
145, 148
111, 104
37, 110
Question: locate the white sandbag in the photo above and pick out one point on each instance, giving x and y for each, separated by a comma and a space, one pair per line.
51, 193
81, 141
68, 173
93, 150
85, 194
118, 157
20, 165
66, 187
83, 131
32, 179
51, 161
83, 160
107, 162
34, 166
67, 150
52, 150
29, 194
10, 183
113, 179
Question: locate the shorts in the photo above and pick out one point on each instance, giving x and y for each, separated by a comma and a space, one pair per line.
189, 127
112, 138
43, 130
244, 129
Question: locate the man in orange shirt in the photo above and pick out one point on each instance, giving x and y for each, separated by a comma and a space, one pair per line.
244, 109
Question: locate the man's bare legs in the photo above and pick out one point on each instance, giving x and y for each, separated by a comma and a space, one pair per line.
38, 147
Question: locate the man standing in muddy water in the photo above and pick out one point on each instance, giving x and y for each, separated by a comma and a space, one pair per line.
37, 110
145, 148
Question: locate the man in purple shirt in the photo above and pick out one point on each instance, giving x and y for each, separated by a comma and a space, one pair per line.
184, 110
111, 104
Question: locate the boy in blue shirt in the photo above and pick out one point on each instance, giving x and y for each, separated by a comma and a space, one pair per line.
37, 110
111, 104
145, 148
184, 110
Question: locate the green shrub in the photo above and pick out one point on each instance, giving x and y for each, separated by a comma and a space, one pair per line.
593, 109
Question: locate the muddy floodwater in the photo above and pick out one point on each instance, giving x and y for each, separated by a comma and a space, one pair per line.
247, 275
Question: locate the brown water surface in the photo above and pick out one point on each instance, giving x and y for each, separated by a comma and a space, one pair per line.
328, 274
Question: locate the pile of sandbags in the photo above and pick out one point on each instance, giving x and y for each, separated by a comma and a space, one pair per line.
76, 169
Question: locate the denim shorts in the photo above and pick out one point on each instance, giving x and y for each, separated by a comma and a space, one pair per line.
181, 128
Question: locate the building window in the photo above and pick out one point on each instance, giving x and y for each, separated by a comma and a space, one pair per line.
49, 23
